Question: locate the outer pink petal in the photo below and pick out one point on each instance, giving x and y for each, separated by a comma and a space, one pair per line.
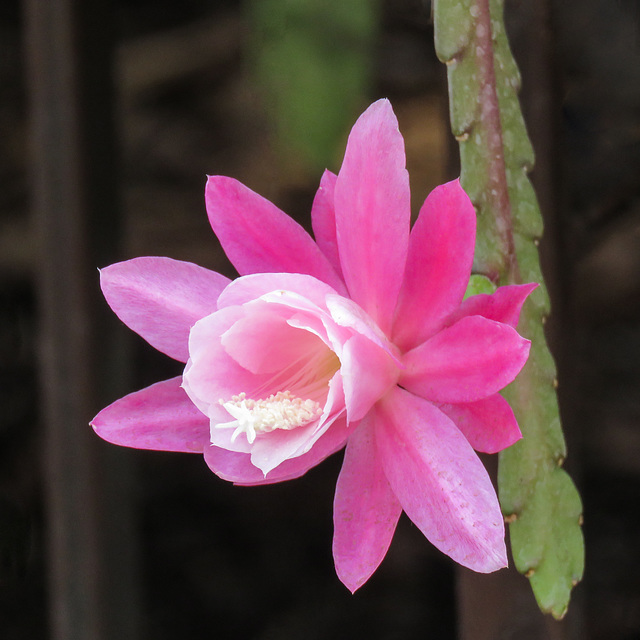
365, 511
323, 220
468, 361
439, 262
160, 417
372, 207
161, 299
440, 482
257, 237
504, 305
489, 425
237, 467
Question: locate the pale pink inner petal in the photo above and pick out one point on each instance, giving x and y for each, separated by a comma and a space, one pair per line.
160, 417
466, 362
263, 341
441, 247
238, 468
365, 510
347, 313
211, 373
259, 238
161, 299
326, 330
368, 372
272, 449
504, 305
258, 285
323, 220
489, 425
372, 208
439, 481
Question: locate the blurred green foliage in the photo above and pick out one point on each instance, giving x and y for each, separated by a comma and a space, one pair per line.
313, 61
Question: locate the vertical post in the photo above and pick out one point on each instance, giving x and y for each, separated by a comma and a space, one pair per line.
90, 544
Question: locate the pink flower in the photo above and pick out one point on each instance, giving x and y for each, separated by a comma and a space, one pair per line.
360, 337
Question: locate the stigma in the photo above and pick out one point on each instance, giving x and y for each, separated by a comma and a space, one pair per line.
282, 410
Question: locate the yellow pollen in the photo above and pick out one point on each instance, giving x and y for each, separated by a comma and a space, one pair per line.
282, 410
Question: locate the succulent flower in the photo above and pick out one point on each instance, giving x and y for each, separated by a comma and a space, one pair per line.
361, 337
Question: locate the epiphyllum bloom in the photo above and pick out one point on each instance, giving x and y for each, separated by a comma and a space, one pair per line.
360, 337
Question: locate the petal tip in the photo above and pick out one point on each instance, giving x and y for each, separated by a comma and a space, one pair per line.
350, 580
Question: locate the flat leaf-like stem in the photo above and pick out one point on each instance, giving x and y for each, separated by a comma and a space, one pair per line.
538, 498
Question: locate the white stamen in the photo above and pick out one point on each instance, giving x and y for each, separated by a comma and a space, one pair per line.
282, 410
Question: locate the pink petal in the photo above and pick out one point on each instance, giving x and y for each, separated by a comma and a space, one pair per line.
372, 208
489, 425
263, 341
160, 417
257, 237
271, 451
347, 313
365, 511
368, 372
440, 482
258, 285
439, 262
323, 220
211, 374
275, 448
237, 467
468, 361
161, 299
504, 305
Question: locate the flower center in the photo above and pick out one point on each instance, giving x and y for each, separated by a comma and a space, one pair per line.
282, 410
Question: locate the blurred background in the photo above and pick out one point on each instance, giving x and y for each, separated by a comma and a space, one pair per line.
111, 115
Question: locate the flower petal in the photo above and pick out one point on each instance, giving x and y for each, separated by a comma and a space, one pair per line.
237, 467
270, 451
441, 247
372, 207
489, 424
365, 511
161, 299
440, 481
368, 372
160, 417
258, 285
323, 220
504, 305
257, 237
263, 341
211, 374
466, 362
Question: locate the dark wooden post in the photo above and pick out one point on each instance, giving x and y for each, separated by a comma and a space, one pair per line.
91, 553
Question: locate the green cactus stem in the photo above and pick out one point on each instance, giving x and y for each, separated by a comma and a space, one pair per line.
538, 498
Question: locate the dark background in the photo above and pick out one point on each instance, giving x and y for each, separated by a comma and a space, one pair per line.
203, 559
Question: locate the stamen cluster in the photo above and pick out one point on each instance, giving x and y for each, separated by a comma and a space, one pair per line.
282, 410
